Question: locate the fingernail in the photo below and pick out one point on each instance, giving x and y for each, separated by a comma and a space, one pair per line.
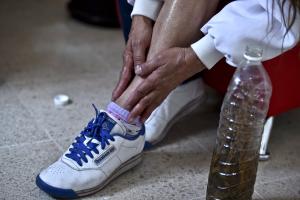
138, 69
130, 120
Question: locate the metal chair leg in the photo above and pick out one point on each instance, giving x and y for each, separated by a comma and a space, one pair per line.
263, 154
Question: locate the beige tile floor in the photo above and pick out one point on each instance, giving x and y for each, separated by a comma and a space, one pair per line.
43, 52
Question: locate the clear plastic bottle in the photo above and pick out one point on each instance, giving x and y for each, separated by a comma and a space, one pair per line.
235, 158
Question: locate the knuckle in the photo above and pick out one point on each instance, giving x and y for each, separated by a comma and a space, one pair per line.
142, 106
127, 53
146, 101
140, 92
124, 73
137, 109
159, 75
138, 57
137, 43
159, 57
126, 70
152, 81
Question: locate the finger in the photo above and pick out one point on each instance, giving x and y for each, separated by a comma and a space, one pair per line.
147, 112
139, 52
125, 78
141, 91
148, 67
126, 75
140, 107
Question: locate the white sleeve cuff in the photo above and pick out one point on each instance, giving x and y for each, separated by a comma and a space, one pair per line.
147, 8
206, 51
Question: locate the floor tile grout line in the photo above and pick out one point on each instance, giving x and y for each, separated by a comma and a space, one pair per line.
259, 195
37, 124
25, 143
54, 141
29, 143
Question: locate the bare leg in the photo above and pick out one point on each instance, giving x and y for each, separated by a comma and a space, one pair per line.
177, 25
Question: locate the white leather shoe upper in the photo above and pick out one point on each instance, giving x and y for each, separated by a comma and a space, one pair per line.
66, 173
180, 102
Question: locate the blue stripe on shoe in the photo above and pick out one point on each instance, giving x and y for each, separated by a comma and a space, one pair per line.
148, 146
129, 136
55, 192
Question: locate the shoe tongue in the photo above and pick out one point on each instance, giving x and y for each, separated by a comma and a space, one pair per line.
108, 124
112, 124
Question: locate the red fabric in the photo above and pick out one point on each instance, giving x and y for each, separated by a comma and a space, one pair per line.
118, 12
284, 72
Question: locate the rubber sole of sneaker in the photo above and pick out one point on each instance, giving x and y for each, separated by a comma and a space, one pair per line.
71, 194
184, 111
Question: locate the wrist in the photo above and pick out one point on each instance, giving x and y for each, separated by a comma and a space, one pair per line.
142, 19
192, 61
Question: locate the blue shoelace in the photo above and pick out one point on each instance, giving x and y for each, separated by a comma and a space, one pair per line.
93, 132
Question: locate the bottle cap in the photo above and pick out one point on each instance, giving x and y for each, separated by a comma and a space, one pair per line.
61, 100
253, 53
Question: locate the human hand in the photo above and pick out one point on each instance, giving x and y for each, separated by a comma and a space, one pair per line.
162, 74
135, 51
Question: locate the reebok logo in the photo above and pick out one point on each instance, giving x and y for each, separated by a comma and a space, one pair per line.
105, 126
104, 155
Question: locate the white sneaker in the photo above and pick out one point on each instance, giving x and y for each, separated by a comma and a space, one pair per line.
181, 101
104, 150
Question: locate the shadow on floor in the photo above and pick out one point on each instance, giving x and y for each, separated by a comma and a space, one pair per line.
167, 164
2, 81
198, 123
